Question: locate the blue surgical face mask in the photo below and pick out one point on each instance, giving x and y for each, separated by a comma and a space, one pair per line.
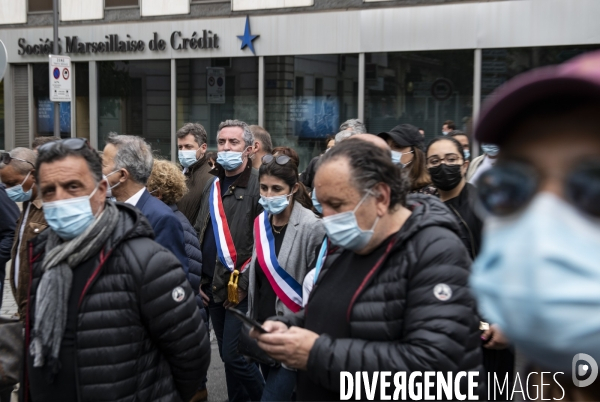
316, 202
467, 153
109, 188
490, 149
17, 194
230, 160
343, 230
71, 217
397, 158
275, 205
187, 158
537, 277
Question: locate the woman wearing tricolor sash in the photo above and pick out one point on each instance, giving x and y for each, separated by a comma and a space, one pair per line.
287, 236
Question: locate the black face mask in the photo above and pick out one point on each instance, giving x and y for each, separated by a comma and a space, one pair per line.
446, 177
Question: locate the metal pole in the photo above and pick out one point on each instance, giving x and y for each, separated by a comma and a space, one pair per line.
361, 87
476, 100
55, 51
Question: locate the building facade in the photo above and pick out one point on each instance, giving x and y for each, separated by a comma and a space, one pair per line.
297, 67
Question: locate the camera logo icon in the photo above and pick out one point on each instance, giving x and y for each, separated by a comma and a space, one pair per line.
581, 369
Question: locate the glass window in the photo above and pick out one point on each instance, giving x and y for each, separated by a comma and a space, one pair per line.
82, 99
307, 98
43, 124
120, 3
40, 5
134, 97
500, 65
2, 114
210, 91
420, 88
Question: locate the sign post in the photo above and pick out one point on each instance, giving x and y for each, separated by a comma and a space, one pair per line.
55, 51
60, 79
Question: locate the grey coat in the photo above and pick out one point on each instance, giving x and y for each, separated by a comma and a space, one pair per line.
303, 236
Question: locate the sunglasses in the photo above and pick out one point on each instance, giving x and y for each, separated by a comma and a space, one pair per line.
6, 158
280, 160
508, 187
74, 144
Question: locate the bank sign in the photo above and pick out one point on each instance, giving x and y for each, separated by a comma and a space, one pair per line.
199, 40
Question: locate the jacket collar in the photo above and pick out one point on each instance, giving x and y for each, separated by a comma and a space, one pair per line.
241, 181
199, 163
37, 203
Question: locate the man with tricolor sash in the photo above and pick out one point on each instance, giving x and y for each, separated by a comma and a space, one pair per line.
225, 228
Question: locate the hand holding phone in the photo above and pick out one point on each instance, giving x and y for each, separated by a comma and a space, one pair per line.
242, 317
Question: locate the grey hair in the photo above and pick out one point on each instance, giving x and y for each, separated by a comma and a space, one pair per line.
344, 135
262, 135
133, 154
195, 129
247, 134
20, 166
357, 126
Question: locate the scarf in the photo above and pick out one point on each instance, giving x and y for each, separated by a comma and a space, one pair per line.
55, 285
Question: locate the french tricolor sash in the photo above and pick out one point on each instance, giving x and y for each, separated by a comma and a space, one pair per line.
287, 289
225, 246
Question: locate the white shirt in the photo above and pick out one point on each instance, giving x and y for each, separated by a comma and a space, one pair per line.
307, 286
486, 163
134, 199
21, 230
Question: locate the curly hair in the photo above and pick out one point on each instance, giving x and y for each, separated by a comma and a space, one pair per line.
168, 179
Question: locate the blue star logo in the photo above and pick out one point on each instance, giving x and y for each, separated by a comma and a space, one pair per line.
247, 38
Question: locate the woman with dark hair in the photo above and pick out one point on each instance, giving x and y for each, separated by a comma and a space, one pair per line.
447, 166
391, 290
287, 151
287, 237
407, 151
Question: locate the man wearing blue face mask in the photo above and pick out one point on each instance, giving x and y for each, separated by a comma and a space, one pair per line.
228, 208
537, 275
482, 162
192, 143
18, 174
391, 287
107, 303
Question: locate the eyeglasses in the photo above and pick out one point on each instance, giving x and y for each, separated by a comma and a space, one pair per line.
449, 159
74, 144
6, 158
508, 187
280, 159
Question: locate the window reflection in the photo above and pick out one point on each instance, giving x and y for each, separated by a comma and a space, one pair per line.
307, 98
134, 97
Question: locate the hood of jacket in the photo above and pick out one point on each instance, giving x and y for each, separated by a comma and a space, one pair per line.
426, 211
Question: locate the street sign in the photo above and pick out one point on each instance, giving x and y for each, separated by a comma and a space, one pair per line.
60, 78
3, 60
215, 88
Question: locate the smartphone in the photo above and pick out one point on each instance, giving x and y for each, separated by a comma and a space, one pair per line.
253, 323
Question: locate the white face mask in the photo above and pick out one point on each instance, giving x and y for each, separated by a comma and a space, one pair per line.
109, 188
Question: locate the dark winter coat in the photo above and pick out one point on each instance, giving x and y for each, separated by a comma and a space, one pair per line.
194, 255
135, 341
396, 320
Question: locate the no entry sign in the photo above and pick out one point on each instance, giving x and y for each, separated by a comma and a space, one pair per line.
60, 78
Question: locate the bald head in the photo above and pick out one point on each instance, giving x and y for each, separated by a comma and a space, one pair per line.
373, 139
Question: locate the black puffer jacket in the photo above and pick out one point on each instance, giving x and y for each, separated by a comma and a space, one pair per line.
396, 320
134, 341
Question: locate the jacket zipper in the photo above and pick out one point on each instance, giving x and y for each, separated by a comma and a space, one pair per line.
468, 230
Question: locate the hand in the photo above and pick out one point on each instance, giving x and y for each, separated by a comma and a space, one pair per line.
241, 296
291, 347
497, 340
204, 297
272, 327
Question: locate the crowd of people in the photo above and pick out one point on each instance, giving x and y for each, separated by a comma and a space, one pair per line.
385, 254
